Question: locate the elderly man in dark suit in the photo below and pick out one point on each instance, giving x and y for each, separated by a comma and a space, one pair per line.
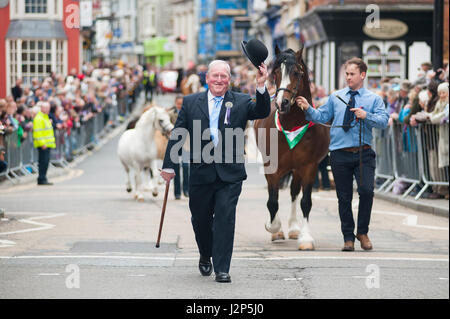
217, 160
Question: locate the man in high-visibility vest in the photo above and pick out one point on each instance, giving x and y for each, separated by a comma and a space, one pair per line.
44, 140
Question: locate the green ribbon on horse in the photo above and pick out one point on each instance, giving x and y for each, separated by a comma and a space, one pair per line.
293, 136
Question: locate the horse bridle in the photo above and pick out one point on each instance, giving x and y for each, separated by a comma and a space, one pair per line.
293, 95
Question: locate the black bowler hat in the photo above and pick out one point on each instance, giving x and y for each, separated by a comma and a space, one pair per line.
255, 51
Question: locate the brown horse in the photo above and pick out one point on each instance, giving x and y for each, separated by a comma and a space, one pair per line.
291, 77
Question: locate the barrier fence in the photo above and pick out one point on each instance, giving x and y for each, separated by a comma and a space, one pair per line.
22, 159
412, 155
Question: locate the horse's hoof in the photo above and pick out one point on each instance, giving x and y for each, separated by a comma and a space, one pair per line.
129, 189
294, 234
306, 246
141, 199
155, 194
278, 236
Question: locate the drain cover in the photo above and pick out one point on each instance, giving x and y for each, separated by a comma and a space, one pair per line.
122, 247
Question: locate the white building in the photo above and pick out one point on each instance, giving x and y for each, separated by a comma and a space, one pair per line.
185, 29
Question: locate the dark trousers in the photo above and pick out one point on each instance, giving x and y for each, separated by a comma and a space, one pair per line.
43, 161
213, 209
345, 166
324, 173
177, 179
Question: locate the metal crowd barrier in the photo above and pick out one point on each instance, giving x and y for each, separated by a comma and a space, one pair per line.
384, 168
411, 155
23, 160
434, 173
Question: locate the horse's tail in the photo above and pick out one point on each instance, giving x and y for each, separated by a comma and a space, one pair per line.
285, 180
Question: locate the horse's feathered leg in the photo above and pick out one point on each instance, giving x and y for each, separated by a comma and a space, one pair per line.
306, 241
273, 225
294, 226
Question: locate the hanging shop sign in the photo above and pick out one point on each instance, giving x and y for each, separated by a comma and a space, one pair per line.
386, 29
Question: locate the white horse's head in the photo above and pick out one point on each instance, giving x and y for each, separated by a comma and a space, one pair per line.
156, 118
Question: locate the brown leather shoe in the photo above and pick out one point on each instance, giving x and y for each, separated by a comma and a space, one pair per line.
365, 242
349, 246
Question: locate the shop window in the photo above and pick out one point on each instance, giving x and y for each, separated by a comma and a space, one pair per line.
373, 51
33, 58
384, 59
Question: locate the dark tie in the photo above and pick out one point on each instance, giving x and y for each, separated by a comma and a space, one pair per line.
349, 115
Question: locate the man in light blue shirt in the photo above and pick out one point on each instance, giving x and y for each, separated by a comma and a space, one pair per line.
363, 106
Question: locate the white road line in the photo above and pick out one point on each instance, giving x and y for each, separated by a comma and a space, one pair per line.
138, 275
32, 221
44, 274
443, 278
236, 258
6, 243
292, 279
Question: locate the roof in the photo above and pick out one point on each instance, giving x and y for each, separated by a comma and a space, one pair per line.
36, 29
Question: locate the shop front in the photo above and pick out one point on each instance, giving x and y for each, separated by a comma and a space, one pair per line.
395, 47
158, 51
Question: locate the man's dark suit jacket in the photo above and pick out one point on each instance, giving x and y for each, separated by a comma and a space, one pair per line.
195, 108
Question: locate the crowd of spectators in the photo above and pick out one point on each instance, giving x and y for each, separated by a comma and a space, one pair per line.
74, 98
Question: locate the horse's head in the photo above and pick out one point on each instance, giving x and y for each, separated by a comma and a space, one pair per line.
289, 73
157, 118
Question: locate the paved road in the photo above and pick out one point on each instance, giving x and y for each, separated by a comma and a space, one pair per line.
86, 237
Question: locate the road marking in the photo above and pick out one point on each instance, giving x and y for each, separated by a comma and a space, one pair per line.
45, 274
32, 221
6, 243
443, 278
292, 279
138, 275
236, 258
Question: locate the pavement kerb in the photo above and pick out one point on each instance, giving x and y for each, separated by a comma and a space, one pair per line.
440, 210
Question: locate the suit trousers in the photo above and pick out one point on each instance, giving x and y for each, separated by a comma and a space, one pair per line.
177, 179
213, 210
345, 166
43, 162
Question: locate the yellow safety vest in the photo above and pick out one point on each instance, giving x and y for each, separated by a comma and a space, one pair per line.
43, 131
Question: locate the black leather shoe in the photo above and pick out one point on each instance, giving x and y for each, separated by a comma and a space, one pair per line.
223, 277
205, 266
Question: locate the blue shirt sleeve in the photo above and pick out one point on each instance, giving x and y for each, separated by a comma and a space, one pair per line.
378, 117
323, 114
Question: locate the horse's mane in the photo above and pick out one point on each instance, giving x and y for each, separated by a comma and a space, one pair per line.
142, 120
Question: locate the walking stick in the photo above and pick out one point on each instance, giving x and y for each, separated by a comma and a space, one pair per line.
162, 213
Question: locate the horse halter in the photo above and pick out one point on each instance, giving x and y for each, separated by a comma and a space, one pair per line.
292, 93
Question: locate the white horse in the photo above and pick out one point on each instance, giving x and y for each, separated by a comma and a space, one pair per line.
137, 148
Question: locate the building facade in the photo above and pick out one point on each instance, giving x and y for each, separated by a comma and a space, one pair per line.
155, 21
38, 37
124, 43
185, 29
223, 24
393, 37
